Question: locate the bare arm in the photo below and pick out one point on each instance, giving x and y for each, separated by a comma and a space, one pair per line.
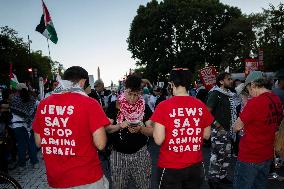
99, 138
112, 128
207, 132
37, 140
159, 133
238, 125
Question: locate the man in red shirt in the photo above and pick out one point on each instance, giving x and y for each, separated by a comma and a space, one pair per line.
180, 124
259, 120
69, 128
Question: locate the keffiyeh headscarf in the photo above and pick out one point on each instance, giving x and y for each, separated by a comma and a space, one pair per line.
65, 86
132, 113
233, 107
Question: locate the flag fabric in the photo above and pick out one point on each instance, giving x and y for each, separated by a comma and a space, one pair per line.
13, 81
46, 27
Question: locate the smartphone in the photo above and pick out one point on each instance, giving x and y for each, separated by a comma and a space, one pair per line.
133, 124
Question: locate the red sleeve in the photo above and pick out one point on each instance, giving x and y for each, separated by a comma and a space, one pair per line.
97, 117
207, 118
248, 112
36, 123
158, 115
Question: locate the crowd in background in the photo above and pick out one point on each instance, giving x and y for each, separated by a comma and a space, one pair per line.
231, 130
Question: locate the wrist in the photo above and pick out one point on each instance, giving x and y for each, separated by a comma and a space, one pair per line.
216, 124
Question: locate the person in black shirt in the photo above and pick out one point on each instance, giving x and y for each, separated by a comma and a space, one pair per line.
128, 136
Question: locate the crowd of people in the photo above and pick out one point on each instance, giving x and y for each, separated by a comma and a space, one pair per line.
99, 139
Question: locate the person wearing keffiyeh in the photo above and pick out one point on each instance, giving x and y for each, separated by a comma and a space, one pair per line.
23, 108
129, 137
222, 104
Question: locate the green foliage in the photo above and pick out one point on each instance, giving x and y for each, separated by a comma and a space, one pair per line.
269, 31
13, 50
188, 33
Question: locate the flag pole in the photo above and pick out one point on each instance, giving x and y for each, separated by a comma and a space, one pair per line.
48, 49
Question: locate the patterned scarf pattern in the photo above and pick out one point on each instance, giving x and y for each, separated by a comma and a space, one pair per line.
66, 86
132, 113
233, 107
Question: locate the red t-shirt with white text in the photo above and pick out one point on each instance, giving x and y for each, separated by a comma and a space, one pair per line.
184, 119
65, 123
260, 124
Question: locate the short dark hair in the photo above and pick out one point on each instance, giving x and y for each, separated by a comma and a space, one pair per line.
221, 77
75, 74
263, 83
181, 77
133, 82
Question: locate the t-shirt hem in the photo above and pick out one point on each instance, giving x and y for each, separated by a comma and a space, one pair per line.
76, 184
179, 167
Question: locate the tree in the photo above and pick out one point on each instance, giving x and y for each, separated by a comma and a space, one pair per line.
13, 50
269, 31
188, 33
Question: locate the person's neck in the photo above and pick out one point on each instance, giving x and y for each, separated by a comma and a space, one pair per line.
223, 88
261, 91
181, 92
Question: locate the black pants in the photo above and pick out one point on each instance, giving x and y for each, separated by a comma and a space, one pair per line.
186, 178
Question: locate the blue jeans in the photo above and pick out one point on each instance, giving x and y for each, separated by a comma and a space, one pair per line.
251, 175
24, 143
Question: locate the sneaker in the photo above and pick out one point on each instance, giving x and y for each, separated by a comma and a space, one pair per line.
226, 181
275, 176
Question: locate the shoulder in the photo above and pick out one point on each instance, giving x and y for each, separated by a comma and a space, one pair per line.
214, 93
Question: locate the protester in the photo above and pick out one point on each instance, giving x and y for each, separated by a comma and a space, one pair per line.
5, 118
221, 104
180, 124
23, 108
112, 97
69, 127
52, 86
162, 94
256, 149
130, 159
101, 92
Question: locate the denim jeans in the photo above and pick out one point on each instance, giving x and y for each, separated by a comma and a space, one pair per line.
251, 175
24, 143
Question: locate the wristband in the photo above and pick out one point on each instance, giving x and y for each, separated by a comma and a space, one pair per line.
216, 124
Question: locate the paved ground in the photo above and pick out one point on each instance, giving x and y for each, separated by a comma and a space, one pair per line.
31, 178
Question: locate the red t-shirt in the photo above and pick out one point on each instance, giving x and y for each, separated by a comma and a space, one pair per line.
184, 119
65, 123
260, 124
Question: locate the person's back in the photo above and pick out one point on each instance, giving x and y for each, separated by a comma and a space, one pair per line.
180, 124
69, 128
260, 126
184, 124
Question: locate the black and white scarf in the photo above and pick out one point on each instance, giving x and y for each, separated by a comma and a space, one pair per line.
233, 99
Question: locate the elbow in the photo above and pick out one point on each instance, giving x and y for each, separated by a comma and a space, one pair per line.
206, 136
101, 146
158, 140
38, 144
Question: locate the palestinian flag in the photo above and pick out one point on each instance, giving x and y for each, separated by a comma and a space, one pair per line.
46, 27
13, 81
